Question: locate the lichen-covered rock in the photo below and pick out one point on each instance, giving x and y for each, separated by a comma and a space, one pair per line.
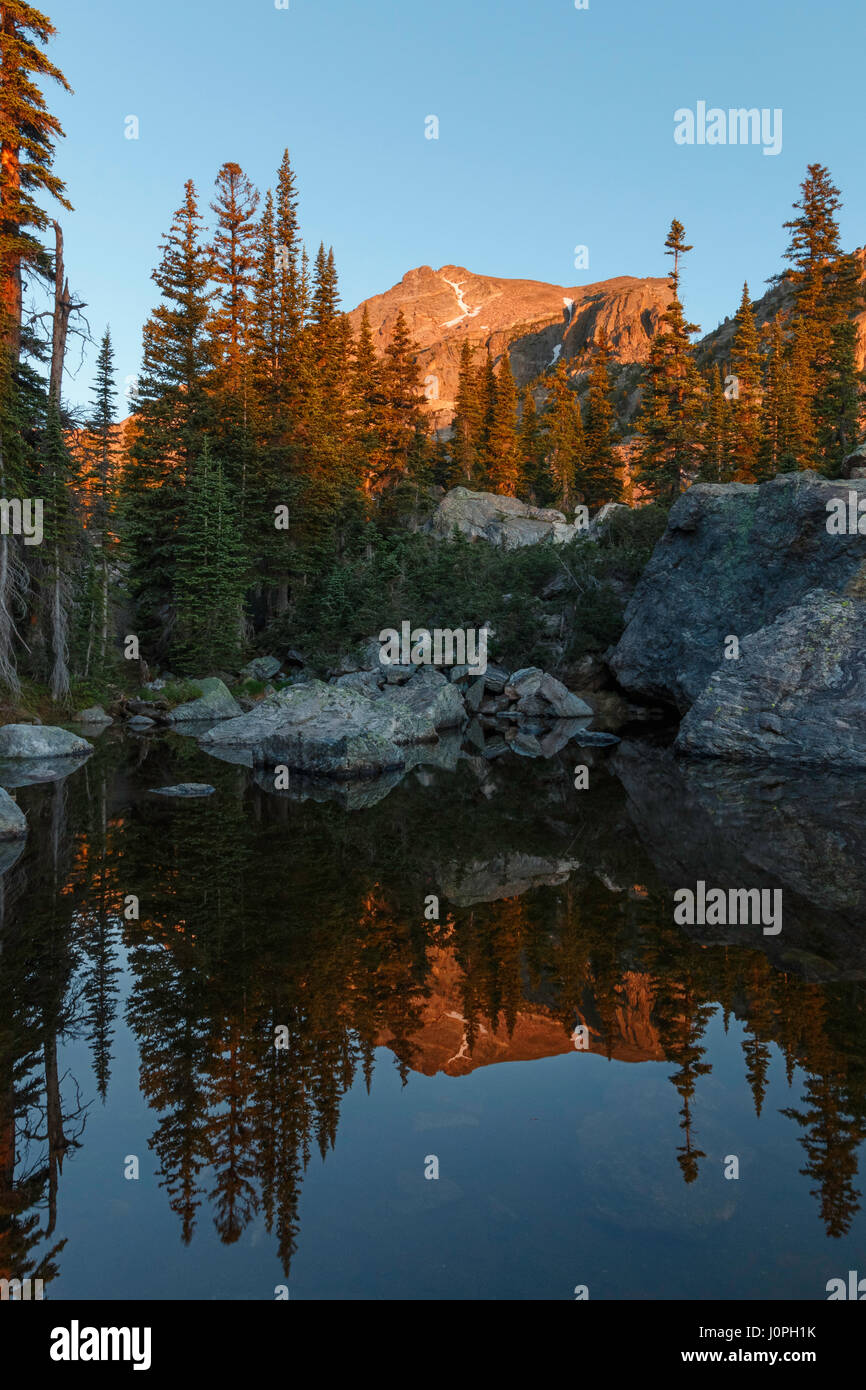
797, 693
214, 703
41, 741
734, 556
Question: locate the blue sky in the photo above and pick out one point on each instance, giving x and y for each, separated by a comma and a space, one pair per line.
555, 130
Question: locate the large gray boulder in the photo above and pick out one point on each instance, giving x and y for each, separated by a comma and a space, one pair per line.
13, 822
540, 694
41, 741
429, 698
336, 731
215, 702
248, 730
500, 520
734, 556
797, 693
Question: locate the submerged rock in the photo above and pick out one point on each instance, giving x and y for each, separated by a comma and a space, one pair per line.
41, 741
185, 789
215, 702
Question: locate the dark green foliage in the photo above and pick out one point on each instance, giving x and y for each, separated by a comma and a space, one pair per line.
459, 583
210, 572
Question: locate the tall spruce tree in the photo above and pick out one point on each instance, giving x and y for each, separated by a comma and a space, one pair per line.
565, 449
99, 482
503, 466
826, 297
233, 256
669, 424
717, 463
747, 368
173, 411
466, 425
776, 408
531, 446
210, 573
367, 406
28, 132
599, 480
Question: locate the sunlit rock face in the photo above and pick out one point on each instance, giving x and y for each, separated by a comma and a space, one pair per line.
538, 323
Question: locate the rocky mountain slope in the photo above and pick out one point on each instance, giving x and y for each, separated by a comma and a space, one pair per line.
539, 322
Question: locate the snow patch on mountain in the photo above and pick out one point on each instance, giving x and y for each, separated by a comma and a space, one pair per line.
465, 311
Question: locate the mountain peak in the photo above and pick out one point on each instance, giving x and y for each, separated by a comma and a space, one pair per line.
535, 321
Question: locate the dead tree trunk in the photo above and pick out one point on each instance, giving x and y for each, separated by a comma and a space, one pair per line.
62, 309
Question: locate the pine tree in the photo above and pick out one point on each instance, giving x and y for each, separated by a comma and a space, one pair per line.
173, 412
599, 479
367, 405
233, 265
28, 132
210, 573
531, 446
486, 391
826, 296
466, 425
27, 135
404, 428
776, 409
290, 276
746, 367
717, 465
503, 467
840, 406
669, 422
99, 481
564, 442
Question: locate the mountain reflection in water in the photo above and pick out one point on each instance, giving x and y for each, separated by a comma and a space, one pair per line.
299, 918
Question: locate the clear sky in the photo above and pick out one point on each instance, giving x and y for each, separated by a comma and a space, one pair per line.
556, 129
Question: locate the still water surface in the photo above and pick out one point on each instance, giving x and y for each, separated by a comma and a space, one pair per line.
409, 1040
